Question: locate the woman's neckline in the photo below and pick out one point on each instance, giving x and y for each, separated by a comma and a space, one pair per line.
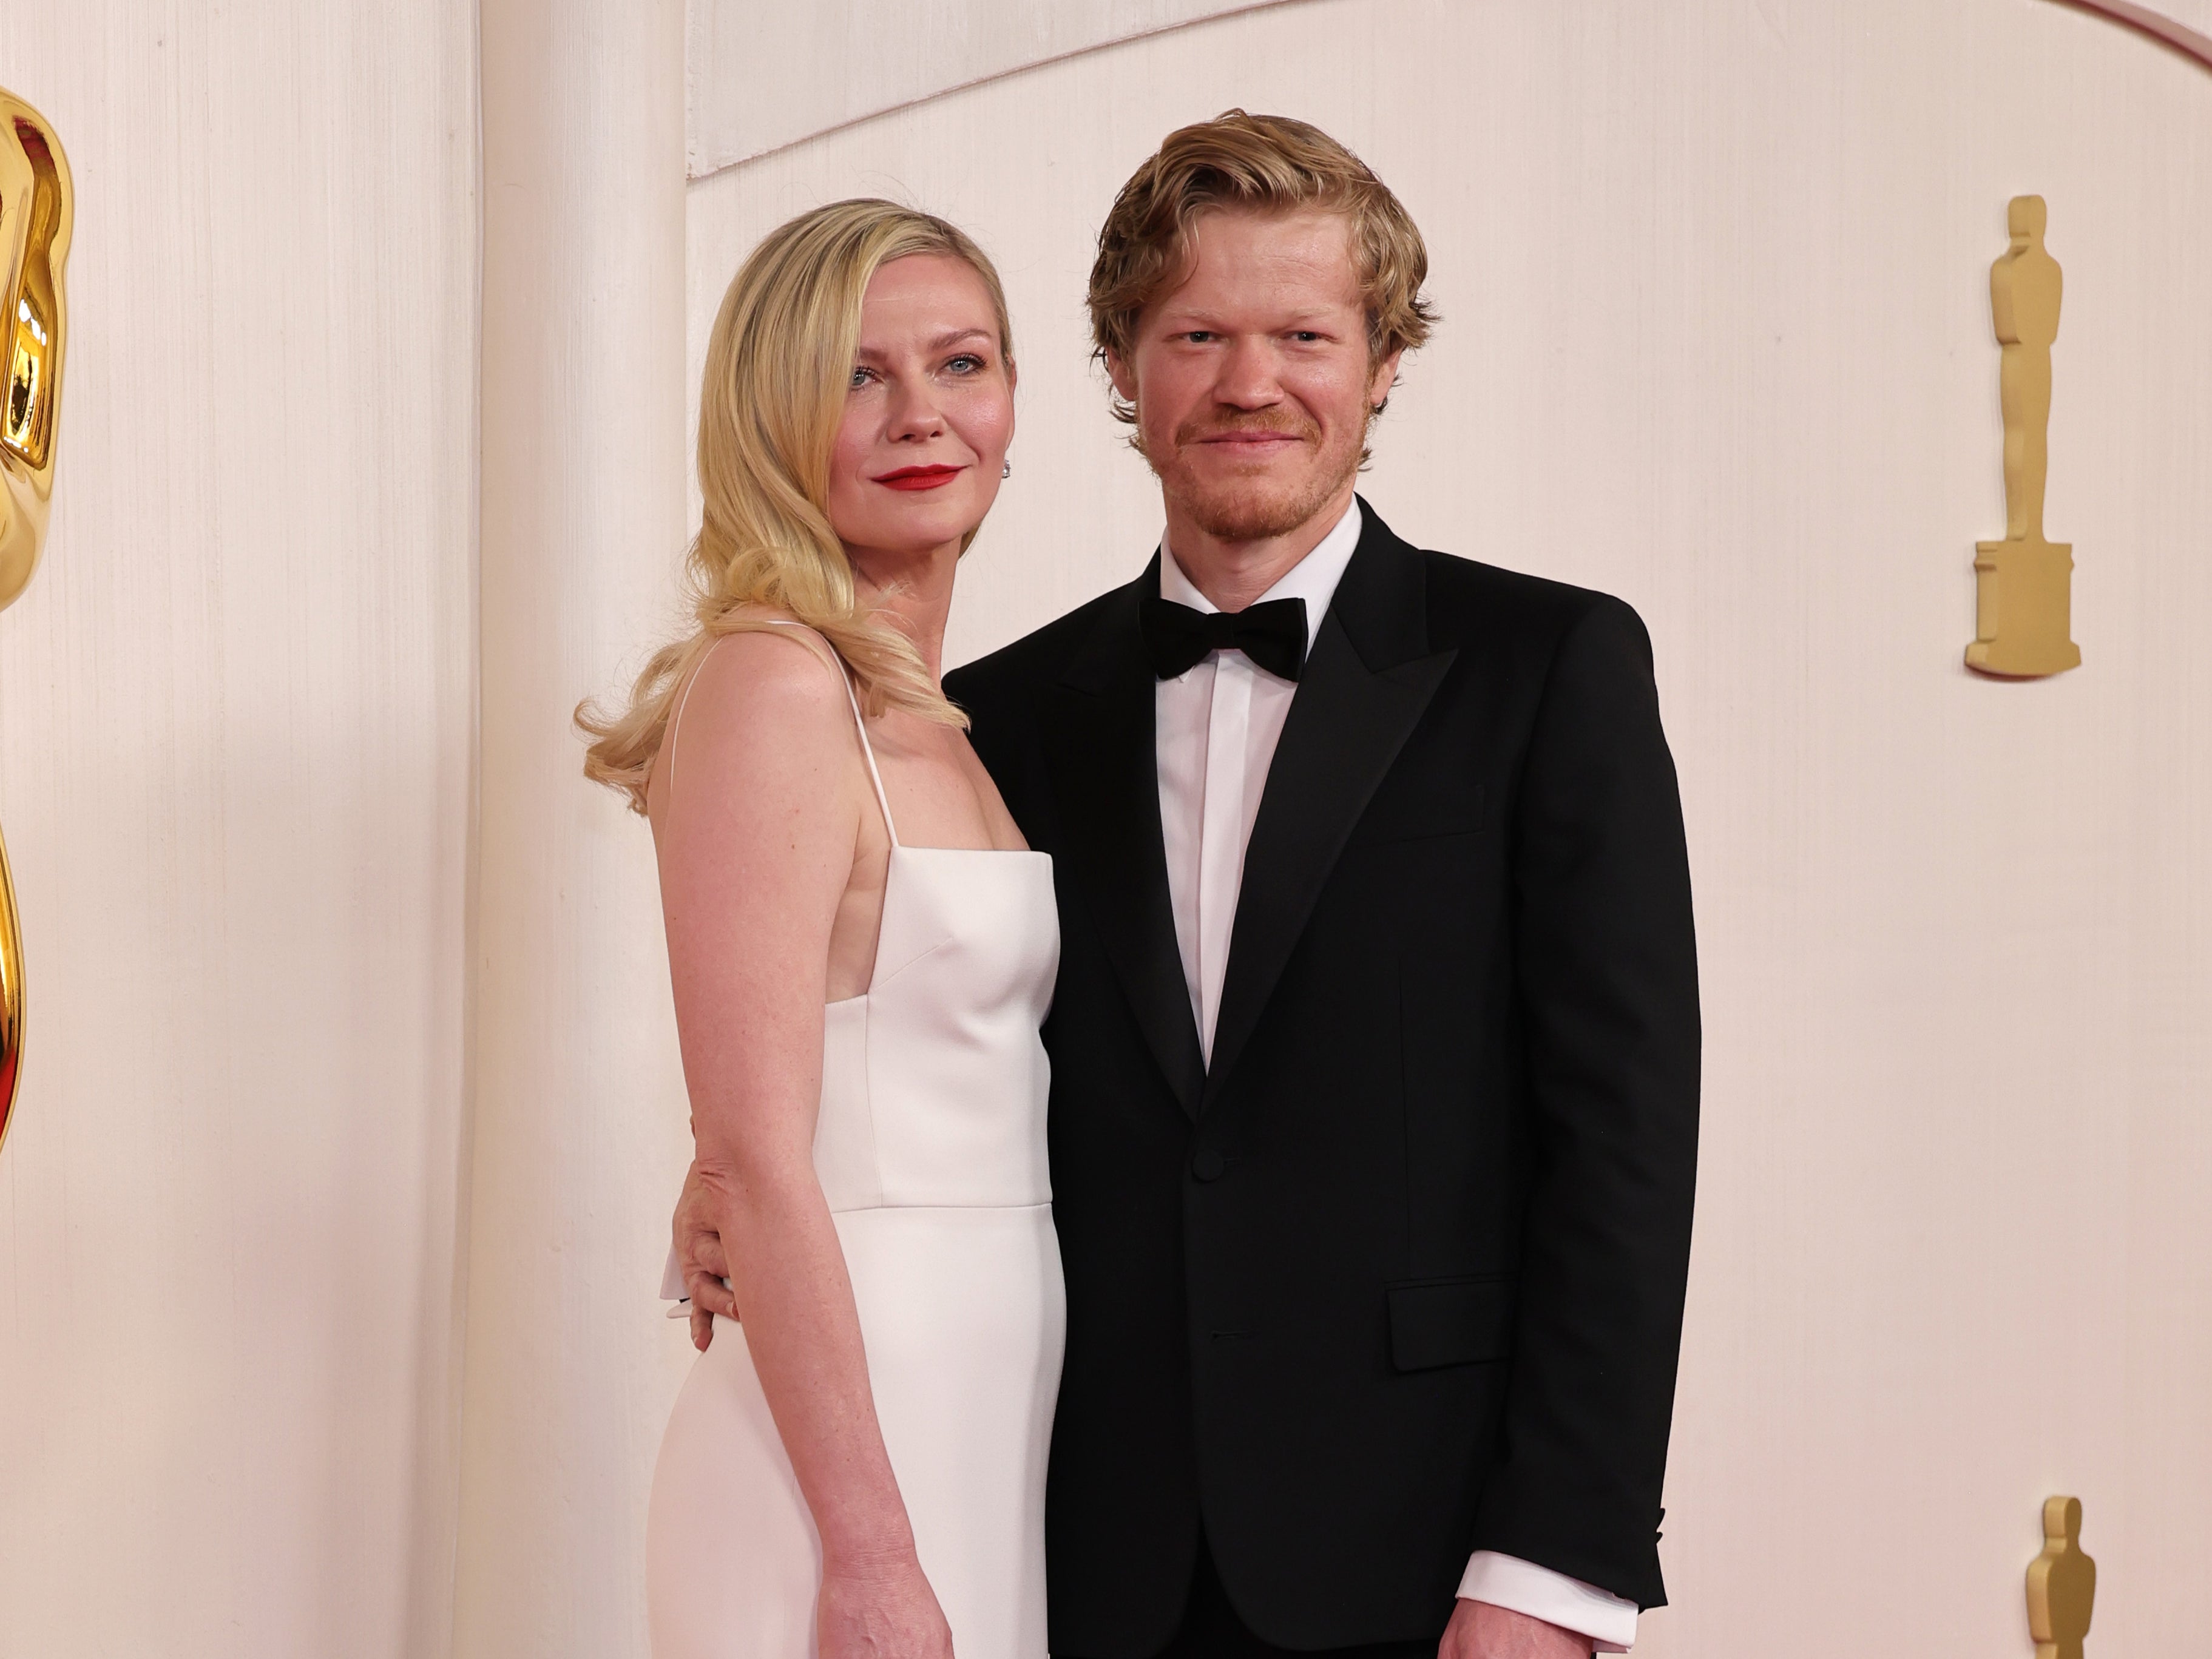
1001, 851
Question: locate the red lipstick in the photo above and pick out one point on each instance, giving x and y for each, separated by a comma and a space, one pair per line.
920, 477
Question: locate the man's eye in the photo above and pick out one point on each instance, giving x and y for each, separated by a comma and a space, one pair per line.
1199, 336
1305, 337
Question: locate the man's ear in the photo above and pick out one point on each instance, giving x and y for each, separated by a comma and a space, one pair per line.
1385, 376
1124, 379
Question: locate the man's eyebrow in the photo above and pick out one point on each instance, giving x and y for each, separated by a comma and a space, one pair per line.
1182, 320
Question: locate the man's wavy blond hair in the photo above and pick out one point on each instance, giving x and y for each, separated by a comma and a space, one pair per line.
779, 363
1267, 164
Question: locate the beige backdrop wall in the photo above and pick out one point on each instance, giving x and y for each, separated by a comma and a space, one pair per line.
235, 735
1717, 339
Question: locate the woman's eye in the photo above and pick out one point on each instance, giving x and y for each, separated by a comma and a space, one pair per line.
860, 378
966, 363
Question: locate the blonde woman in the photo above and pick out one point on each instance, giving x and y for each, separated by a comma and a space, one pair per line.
862, 951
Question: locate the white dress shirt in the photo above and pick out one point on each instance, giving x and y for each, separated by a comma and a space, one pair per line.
1217, 725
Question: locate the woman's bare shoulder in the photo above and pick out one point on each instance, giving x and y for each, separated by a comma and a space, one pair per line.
761, 703
768, 670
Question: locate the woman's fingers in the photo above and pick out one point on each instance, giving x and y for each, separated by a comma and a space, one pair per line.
706, 1265
709, 1295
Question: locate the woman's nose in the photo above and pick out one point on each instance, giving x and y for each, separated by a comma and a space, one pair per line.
914, 413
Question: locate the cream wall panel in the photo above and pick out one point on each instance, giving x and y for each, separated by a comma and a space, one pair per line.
760, 77
1716, 338
579, 1097
234, 769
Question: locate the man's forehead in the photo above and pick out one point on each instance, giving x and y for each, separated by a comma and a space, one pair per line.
1318, 232
1242, 258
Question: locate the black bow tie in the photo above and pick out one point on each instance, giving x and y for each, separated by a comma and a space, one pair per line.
1178, 638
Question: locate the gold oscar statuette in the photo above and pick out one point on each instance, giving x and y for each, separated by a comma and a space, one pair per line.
36, 203
2062, 1584
2023, 585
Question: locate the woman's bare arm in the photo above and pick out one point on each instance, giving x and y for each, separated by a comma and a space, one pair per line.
757, 845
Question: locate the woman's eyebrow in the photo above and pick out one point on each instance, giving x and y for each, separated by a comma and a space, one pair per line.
943, 342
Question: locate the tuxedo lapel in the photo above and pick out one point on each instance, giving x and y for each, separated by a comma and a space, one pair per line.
1100, 749
1369, 679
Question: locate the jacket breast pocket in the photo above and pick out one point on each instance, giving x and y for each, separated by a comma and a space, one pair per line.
1436, 807
1466, 1320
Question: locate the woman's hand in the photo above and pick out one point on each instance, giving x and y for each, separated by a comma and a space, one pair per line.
699, 1253
879, 1610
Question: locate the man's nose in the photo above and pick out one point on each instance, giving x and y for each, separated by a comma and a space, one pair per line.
1249, 378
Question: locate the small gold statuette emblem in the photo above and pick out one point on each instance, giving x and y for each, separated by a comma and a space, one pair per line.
2062, 1584
2023, 585
36, 208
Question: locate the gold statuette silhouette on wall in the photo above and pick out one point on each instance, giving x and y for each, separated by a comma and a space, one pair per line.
35, 213
2023, 585
2062, 1584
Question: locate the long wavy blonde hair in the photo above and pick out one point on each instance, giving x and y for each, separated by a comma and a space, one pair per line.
779, 363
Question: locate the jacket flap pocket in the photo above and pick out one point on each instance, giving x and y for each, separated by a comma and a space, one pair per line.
1454, 809
1451, 1321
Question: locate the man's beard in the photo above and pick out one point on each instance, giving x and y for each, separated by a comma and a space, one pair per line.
1250, 509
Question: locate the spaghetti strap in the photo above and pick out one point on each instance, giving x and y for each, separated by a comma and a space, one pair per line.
675, 720
867, 748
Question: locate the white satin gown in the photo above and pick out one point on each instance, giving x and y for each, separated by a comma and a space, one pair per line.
930, 1148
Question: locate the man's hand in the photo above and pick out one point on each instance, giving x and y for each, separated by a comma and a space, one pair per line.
1478, 1631
699, 1253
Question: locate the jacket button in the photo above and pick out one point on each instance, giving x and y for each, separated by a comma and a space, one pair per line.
1208, 1165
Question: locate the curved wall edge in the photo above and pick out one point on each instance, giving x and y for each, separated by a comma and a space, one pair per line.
723, 130
726, 131
2156, 24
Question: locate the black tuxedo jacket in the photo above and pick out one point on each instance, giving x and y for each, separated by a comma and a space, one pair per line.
1400, 1276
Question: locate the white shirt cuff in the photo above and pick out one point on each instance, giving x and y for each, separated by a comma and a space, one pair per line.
1507, 1580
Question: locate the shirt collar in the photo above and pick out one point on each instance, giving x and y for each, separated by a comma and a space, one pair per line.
1313, 579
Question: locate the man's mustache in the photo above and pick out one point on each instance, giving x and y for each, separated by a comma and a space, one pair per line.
1285, 425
